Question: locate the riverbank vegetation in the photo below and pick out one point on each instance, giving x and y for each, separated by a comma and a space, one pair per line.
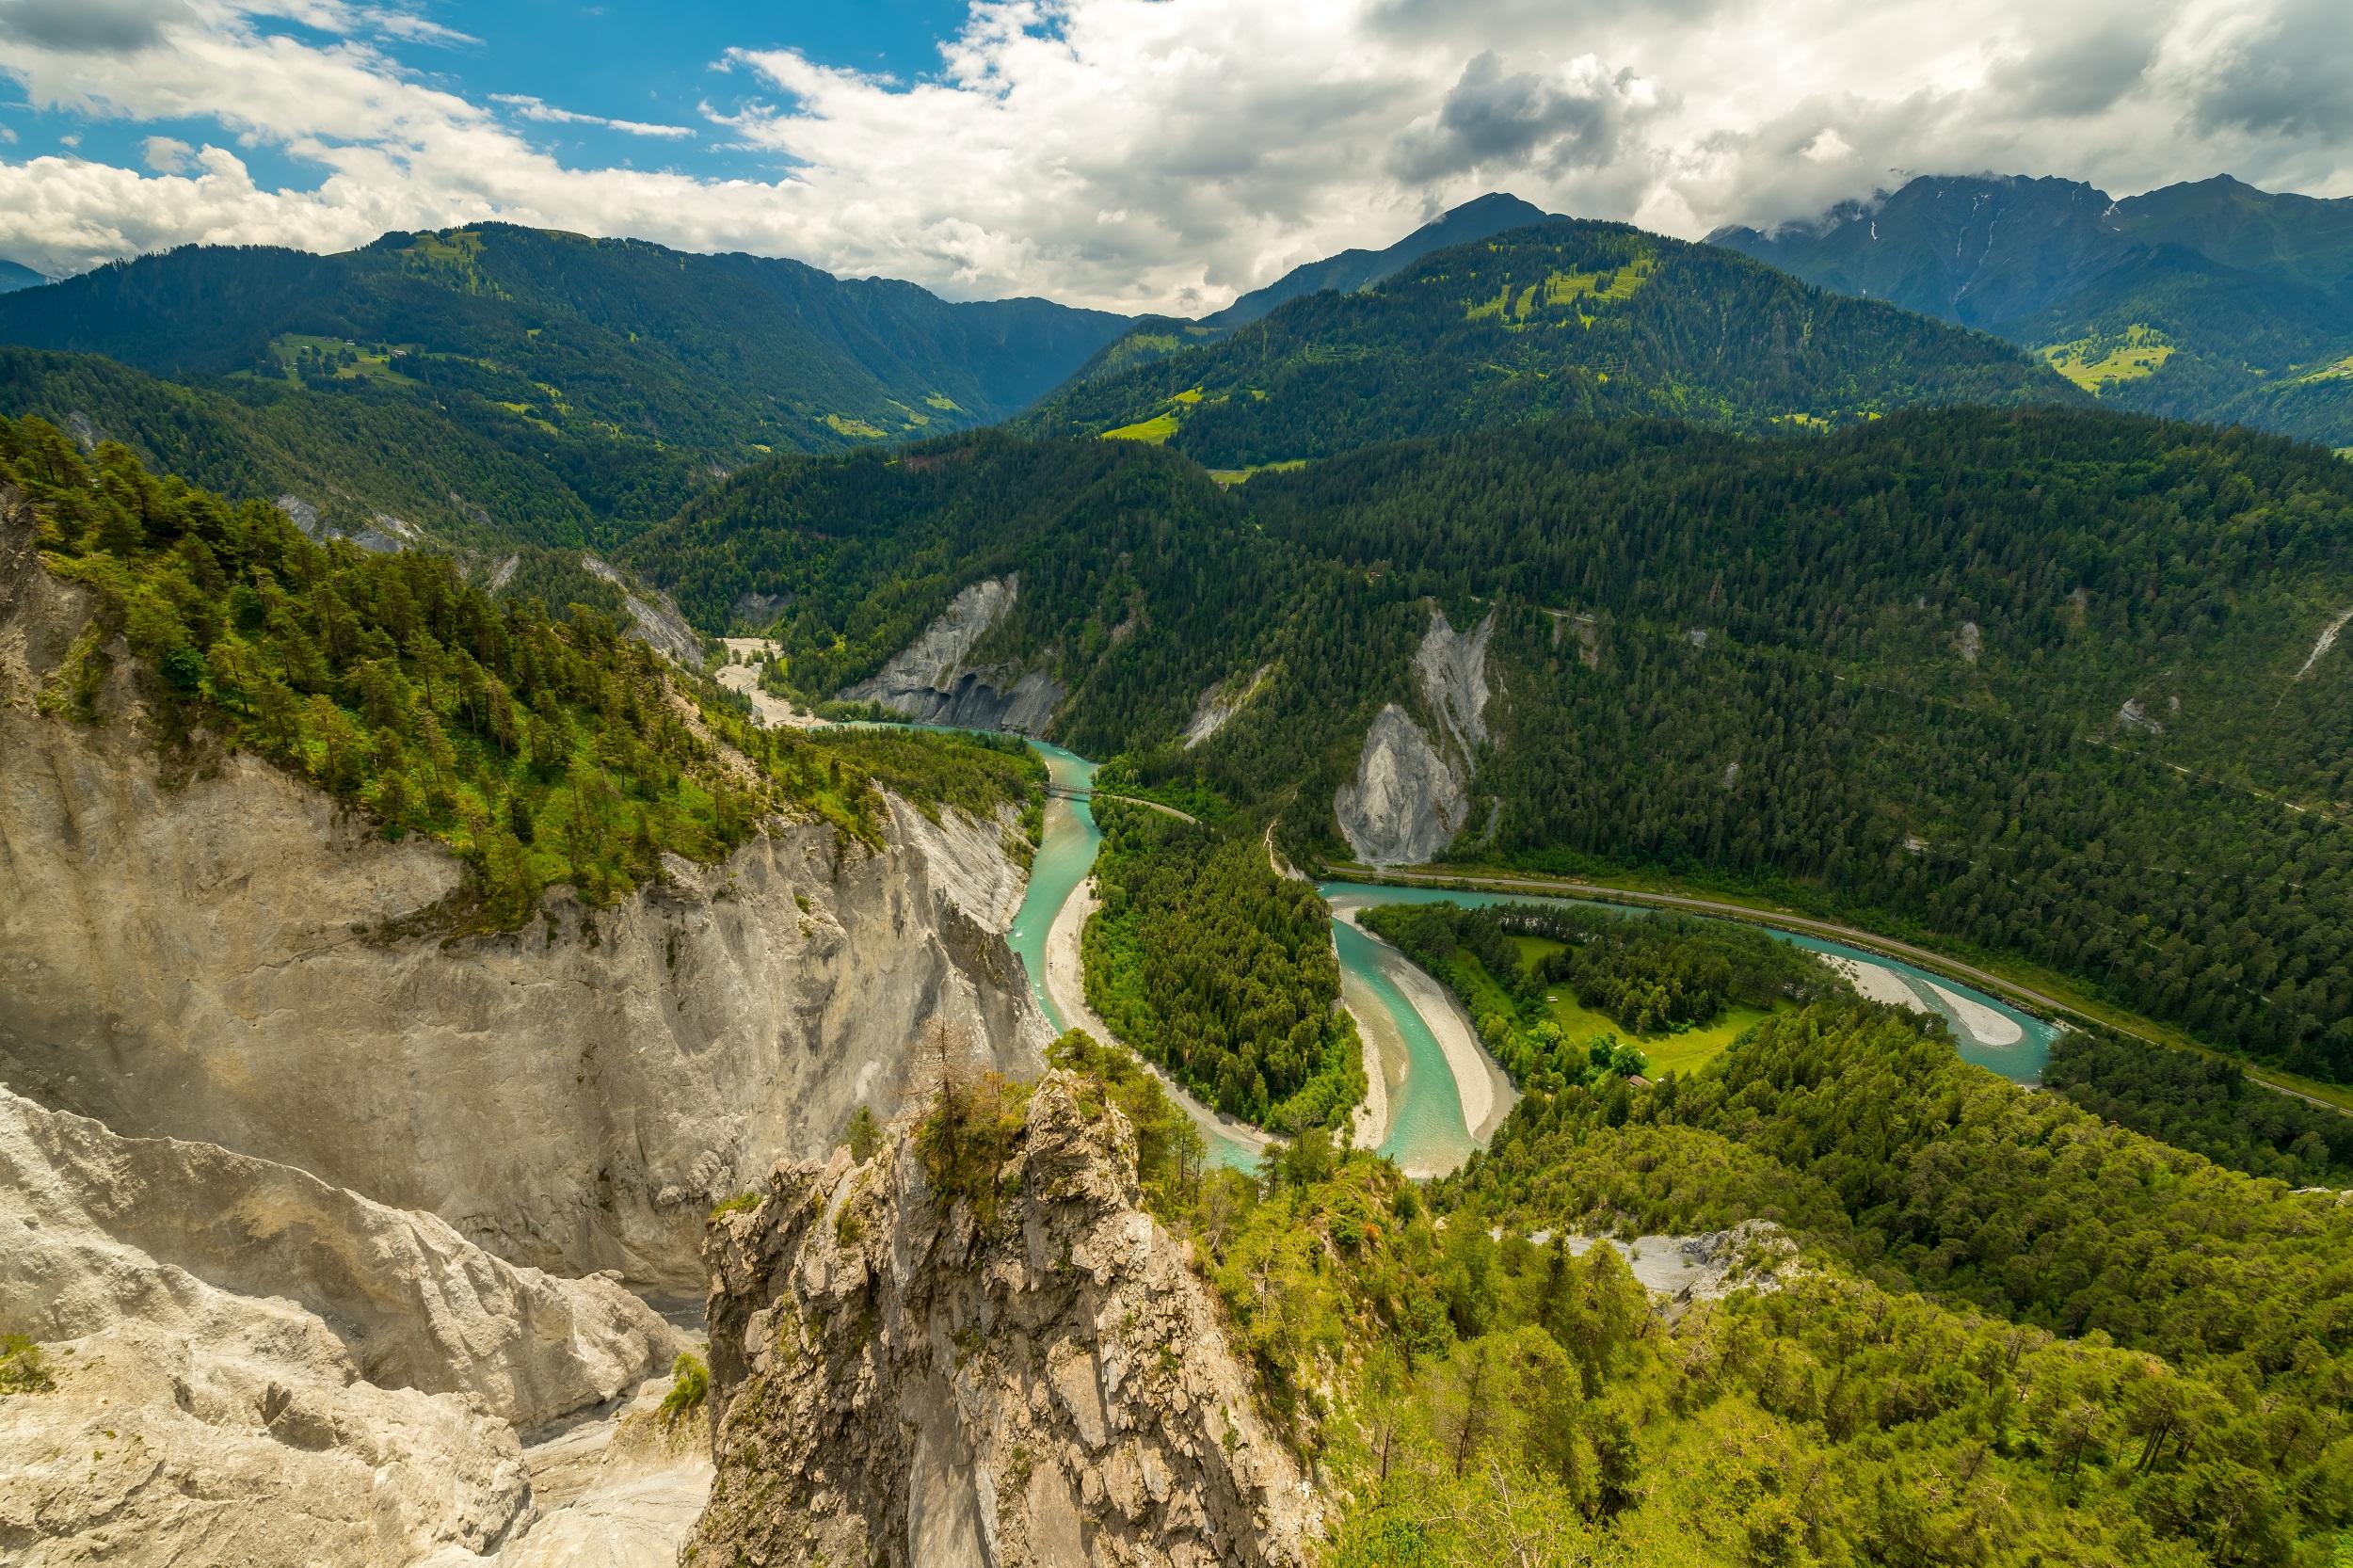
1222, 973
1537, 978
540, 749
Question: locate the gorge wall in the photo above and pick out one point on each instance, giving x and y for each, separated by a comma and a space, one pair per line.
229, 958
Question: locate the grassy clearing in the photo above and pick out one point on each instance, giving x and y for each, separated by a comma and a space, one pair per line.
303, 353
1682, 1052
1155, 430
1241, 476
858, 429
1564, 289
2098, 362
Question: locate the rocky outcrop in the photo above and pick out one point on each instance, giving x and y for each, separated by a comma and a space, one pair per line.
655, 620
1220, 703
1406, 802
99, 1218
1451, 671
906, 1381
621, 1491
232, 960
933, 680
254, 1367
1411, 793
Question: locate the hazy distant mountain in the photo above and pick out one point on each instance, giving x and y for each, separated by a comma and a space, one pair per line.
1351, 270
605, 378
1562, 317
14, 275
2206, 300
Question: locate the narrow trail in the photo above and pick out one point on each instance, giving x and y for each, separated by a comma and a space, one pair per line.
1853, 935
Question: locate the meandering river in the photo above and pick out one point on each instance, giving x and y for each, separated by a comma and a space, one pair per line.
1429, 1127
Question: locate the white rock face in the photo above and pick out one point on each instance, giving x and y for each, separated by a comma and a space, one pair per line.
97, 1218
224, 961
656, 620
255, 1368
933, 680
1406, 802
1411, 794
1451, 670
1220, 703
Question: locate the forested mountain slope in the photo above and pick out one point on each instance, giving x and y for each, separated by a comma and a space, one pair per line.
1562, 318
2054, 684
2204, 300
549, 378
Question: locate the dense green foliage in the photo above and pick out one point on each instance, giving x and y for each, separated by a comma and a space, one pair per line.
1888, 675
2203, 1104
2250, 294
1653, 974
1208, 963
862, 552
541, 750
2015, 1336
503, 383
1592, 318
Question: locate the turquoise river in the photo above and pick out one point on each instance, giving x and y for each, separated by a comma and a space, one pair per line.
1427, 1129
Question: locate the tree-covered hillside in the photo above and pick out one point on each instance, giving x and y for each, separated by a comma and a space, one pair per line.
1990, 1331
615, 377
2050, 685
1564, 318
2208, 300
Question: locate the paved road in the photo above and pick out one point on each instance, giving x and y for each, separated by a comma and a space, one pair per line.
1853, 936
1060, 793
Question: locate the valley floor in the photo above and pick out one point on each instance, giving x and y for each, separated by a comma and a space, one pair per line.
2037, 998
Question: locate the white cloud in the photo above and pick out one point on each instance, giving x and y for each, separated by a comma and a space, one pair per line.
546, 113
412, 28
166, 154
1168, 153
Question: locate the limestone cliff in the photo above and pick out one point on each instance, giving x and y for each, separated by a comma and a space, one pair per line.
904, 1380
230, 959
250, 1366
1411, 793
934, 680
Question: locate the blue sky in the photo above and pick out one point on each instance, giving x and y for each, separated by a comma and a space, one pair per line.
1131, 154
621, 60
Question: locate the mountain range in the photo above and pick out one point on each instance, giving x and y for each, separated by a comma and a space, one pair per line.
496, 382
1599, 319
2208, 300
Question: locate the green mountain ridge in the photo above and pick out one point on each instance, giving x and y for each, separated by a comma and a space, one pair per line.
1349, 270
1599, 319
2210, 300
568, 380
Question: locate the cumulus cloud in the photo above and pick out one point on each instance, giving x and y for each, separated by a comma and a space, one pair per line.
1498, 119
1168, 153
